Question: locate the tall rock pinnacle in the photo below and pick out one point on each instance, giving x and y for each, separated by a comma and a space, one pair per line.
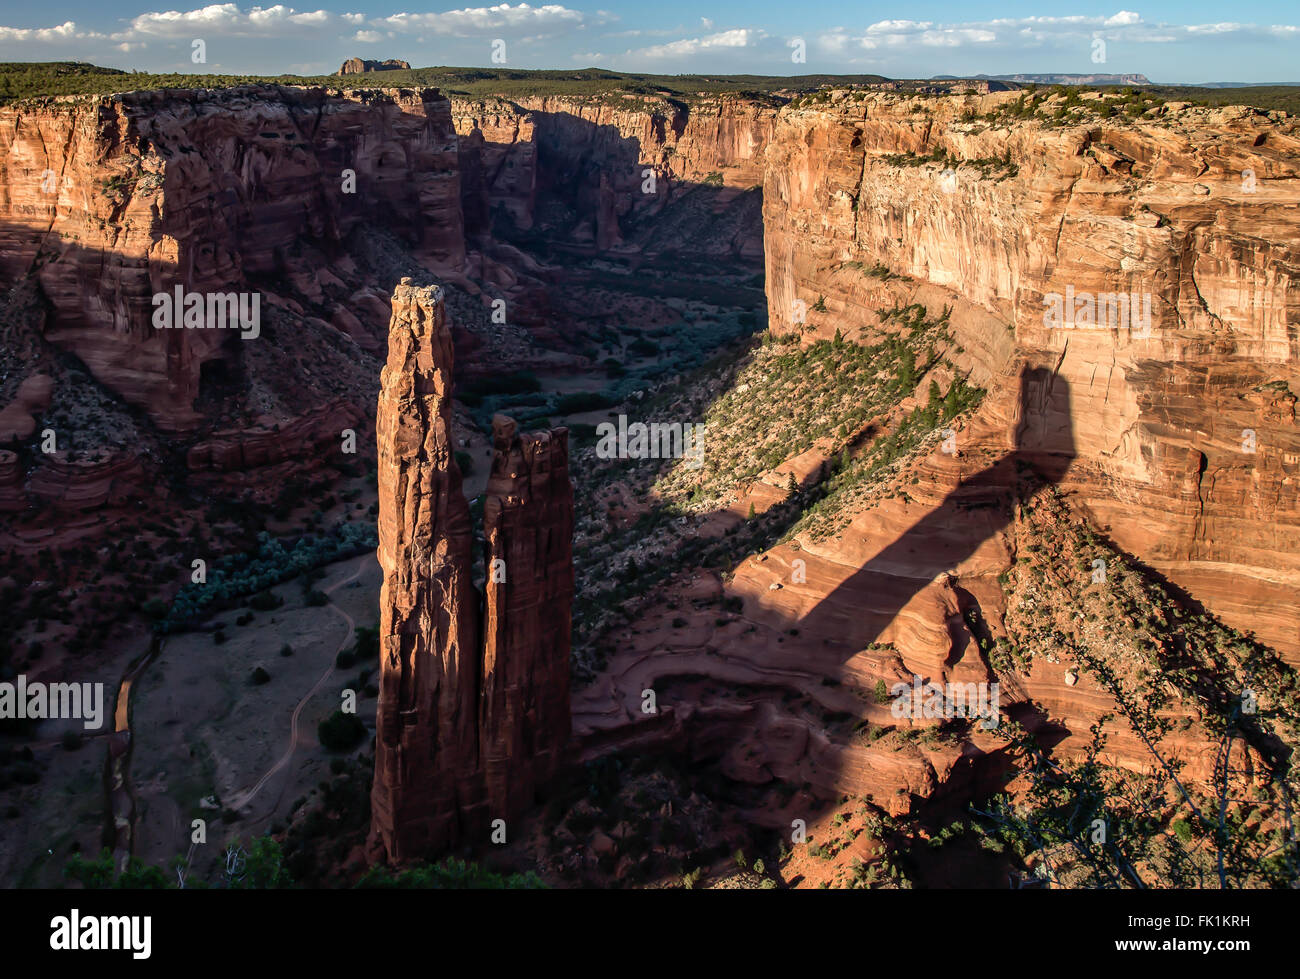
465, 732
528, 523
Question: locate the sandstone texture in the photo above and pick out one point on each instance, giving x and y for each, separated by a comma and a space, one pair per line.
426, 748
111, 200
467, 730
601, 168
528, 526
1188, 451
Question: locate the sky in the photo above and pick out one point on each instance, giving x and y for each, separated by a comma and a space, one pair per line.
1191, 41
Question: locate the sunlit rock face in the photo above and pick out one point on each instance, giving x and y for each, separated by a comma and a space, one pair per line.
1187, 448
248, 190
467, 730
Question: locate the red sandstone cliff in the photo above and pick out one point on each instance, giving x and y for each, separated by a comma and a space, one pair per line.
426, 743
591, 157
111, 200
1195, 207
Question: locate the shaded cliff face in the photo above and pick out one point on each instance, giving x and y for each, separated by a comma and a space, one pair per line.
466, 731
528, 525
248, 190
1187, 447
610, 173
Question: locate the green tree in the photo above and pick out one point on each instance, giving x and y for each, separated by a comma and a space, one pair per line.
101, 874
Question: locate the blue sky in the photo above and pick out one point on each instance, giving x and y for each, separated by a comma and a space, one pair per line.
1169, 42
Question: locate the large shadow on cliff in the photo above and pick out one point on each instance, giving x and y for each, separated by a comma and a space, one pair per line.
978, 508
588, 171
860, 608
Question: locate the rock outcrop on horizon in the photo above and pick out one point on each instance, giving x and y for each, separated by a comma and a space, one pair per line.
361, 66
466, 730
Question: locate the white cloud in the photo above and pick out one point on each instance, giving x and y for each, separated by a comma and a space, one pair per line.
225, 19
1213, 28
898, 26
66, 31
1026, 32
520, 19
894, 46
737, 38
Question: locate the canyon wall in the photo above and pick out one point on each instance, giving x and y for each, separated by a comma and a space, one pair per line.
1187, 447
111, 200
586, 162
466, 730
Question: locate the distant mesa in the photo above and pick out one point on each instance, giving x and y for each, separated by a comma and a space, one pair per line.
359, 66
1130, 79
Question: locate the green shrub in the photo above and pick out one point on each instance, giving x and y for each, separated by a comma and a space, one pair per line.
340, 731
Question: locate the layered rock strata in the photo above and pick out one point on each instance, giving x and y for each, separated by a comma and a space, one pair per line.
592, 170
1188, 450
426, 740
110, 201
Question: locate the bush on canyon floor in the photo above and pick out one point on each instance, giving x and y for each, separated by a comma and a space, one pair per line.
232, 577
450, 874
340, 731
101, 873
